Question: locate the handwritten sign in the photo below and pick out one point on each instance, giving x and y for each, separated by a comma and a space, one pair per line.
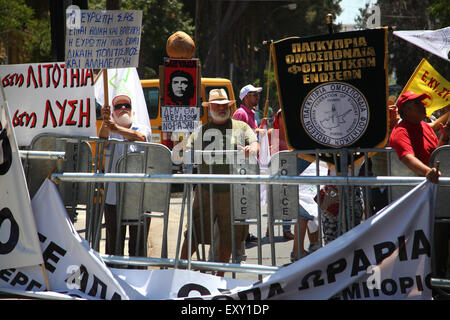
48, 98
104, 39
180, 112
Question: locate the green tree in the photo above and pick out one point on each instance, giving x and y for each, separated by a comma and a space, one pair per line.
441, 10
361, 19
410, 15
16, 16
160, 20
230, 33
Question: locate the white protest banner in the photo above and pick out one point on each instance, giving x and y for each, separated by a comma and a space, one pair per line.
103, 39
19, 244
48, 98
387, 256
174, 284
72, 267
125, 81
434, 41
76, 270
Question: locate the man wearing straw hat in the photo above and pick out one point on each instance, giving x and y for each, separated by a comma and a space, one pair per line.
220, 133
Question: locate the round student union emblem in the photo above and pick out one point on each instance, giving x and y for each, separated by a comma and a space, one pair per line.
335, 114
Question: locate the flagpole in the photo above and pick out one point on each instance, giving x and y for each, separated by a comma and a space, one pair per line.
442, 119
3, 91
44, 272
105, 87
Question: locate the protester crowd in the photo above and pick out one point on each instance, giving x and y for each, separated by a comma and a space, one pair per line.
413, 136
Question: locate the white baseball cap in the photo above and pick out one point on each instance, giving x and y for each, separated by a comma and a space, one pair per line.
248, 88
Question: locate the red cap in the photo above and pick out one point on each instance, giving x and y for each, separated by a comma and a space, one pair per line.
408, 96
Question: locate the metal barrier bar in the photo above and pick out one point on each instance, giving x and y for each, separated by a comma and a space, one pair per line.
200, 265
440, 283
238, 179
42, 155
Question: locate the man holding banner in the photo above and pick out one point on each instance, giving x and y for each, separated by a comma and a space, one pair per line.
119, 124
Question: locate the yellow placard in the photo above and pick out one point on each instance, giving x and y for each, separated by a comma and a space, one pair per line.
426, 79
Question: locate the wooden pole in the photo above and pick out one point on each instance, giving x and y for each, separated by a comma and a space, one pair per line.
44, 272
442, 119
266, 106
105, 87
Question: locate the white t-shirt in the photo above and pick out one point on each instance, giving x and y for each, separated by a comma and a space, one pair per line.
119, 150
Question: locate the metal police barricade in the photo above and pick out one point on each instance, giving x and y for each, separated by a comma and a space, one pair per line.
245, 201
283, 200
442, 154
141, 201
221, 179
397, 168
78, 158
440, 252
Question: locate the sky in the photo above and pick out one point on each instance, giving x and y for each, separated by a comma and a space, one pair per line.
350, 10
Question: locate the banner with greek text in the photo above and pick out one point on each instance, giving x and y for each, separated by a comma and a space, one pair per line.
332, 90
103, 39
48, 98
72, 267
426, 79
19, 244
75, 270
388, 256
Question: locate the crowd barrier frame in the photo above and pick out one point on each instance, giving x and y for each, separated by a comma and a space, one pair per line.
99, 177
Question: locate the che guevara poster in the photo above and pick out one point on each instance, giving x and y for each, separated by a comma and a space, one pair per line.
180, 112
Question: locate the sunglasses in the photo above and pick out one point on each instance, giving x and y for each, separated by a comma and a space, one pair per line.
120, 105
255, 94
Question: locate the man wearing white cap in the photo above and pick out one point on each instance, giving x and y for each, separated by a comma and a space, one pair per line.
223, 133
249, 96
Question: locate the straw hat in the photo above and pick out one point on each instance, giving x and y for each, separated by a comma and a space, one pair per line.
218, 96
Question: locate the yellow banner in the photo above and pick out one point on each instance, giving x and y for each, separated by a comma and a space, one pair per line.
426, 79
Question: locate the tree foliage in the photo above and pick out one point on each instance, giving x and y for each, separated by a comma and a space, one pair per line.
441, 10
160, 19
230, 34
410, 15
24, 30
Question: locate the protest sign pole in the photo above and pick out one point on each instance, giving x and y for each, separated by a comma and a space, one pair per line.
105, 86
3, 91
442, 119
266, 106
44, 272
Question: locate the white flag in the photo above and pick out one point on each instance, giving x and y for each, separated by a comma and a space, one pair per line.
19, 243
434, 41
124, 81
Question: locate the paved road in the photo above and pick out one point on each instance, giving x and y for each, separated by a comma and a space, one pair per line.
283, 247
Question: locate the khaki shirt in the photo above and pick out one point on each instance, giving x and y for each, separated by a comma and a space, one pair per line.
226, 136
